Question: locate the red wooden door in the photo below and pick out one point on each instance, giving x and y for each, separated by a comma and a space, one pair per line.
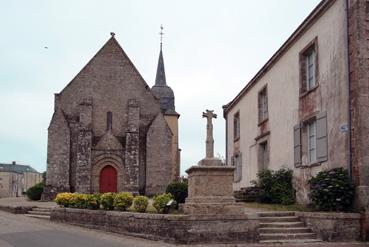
108, 179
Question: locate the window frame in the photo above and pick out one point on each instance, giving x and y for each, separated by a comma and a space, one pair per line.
311, 49
310, 123
263, 154
237, 164
263, 108
236, 126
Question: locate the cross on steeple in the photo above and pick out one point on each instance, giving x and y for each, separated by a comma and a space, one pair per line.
161, 35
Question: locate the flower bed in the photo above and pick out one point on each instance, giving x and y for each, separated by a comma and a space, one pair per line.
123, 201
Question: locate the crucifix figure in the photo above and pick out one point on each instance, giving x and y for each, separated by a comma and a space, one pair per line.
209, 115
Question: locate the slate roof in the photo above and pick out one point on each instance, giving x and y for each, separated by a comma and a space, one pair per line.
16, 168
161, 90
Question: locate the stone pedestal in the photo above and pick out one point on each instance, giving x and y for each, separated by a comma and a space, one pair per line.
210, 162
210, 190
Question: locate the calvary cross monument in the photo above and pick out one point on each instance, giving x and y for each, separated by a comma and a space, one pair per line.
210, 185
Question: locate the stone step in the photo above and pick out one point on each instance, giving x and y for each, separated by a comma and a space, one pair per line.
41, 209
280, 219
284, 230
287, 241
288, 236
276, 214
281, 224
45, 217
39, 212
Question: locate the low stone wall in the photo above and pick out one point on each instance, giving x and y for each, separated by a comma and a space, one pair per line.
16, 209
333, 226
182, 229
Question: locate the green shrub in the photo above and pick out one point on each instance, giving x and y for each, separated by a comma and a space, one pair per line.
123, 200
107, 200
34, 193
140, 203
179, 190
332, 190
93, 201
276, 186
160, 201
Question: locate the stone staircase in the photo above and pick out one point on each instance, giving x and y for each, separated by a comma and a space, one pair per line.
40, 213
284, 227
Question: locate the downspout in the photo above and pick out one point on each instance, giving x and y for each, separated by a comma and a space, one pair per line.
348, 69
226, 135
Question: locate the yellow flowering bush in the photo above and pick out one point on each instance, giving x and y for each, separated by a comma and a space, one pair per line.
63, 199
123, 200
140, 203
160, 202
78, 200
93, 201
107, 200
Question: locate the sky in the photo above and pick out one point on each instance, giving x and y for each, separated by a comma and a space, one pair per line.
211, 48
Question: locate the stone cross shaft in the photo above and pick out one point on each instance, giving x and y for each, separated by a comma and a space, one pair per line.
209, 115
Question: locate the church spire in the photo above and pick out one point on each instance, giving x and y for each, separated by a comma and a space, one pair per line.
160, 79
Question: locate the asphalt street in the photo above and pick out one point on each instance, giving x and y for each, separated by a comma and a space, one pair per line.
22, 231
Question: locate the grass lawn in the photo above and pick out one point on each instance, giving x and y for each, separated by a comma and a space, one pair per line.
277, 207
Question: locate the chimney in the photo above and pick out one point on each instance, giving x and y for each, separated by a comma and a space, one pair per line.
13, 163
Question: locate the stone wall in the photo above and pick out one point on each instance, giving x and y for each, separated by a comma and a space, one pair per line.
183, 229
158, 156
358, 28
333, 226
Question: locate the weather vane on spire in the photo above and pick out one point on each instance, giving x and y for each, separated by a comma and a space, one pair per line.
161, 35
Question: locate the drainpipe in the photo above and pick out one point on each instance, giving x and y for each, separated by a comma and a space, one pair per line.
226, 134
347, 45
226, 141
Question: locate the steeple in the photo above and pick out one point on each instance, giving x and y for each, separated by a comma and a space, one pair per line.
160, 79
161, 90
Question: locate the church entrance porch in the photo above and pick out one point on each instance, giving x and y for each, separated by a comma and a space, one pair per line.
108, 179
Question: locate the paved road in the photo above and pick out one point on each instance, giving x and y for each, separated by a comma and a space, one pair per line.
22, 231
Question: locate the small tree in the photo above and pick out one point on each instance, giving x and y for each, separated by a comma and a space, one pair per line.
179, 190
34, 193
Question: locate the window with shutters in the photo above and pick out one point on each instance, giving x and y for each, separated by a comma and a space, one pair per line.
311, 146
237, 163
263, 157
311, 141
309, 67
236, 126
263, 104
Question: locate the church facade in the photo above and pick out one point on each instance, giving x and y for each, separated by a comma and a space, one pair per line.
111, 132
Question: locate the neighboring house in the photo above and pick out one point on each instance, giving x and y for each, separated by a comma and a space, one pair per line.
110, 132
15, 179
307, 109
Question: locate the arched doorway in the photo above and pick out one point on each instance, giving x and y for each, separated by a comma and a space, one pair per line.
108, 179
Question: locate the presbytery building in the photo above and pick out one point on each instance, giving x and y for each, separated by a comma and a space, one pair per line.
111, 132
16, 179
307, 109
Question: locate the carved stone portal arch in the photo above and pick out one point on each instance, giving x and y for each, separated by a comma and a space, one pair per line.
102, 161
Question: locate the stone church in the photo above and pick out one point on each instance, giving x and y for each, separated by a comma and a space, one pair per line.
111, 132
